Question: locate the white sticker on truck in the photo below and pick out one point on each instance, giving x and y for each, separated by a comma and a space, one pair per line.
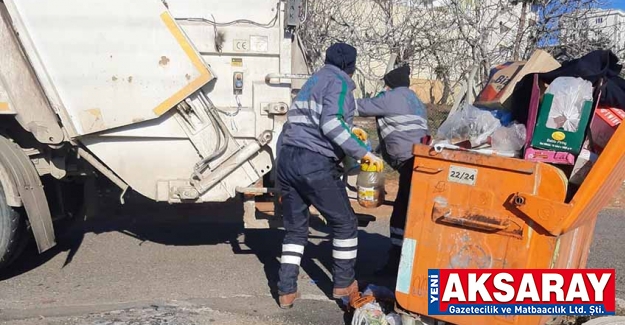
259, 43
462, 175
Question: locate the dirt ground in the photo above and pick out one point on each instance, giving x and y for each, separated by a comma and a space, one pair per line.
154, 263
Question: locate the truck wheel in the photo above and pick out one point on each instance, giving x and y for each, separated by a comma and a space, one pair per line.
608, 320
12, 232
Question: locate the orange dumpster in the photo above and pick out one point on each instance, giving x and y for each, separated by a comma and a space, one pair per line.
476, 211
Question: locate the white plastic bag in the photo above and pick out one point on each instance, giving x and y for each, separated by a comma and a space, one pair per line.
569, 95
509, 139
369, 314
471, 123
393, 319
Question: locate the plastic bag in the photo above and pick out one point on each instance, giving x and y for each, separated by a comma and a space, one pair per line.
379, 311
393, 319
380, 293
504, 117
569, 95
471, 123
509, 139
369, 314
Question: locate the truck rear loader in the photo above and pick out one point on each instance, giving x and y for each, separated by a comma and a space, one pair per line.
181, 102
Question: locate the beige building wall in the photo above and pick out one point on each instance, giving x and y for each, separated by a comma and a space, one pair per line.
428, 90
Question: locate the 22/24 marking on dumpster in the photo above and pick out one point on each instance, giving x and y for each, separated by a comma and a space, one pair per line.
462, 175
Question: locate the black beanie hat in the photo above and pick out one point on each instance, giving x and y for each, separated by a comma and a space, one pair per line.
342, 56
399, 77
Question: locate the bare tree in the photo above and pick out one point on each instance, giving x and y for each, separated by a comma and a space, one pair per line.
377, 28
526, 5
557, 21
443, 40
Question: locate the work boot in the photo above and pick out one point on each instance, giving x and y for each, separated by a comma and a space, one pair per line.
287, 300
392, 264
340, 293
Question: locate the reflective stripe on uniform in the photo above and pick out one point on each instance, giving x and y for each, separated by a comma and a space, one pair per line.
388, 129
397, 242
330, 125
315, 107
300, 104
290, 259
397, 231
403, 118
308, 105
353, 242
345, 255
300, 119
293, 248
342, 137
391, 124
310, 110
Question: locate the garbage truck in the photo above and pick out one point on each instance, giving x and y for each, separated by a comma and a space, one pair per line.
181, 101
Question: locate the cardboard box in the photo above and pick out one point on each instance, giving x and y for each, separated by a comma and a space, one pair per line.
584, 163
540, 155
548, 138
549, 156
538, 89
603, 125
498, 91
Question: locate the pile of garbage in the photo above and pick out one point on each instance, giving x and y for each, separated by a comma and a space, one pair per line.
541, 111
375, 306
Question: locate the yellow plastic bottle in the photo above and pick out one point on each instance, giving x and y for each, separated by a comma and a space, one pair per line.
370, 184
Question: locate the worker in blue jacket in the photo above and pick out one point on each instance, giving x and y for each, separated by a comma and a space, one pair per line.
402, 122
315, 140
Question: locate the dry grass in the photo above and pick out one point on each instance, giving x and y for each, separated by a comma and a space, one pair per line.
437, 114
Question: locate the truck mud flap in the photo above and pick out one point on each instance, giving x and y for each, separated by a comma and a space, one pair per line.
30, 188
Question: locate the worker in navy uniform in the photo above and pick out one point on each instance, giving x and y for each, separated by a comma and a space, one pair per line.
401, 122
315, 139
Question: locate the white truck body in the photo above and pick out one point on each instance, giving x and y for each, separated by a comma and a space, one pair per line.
180, 100
114, 71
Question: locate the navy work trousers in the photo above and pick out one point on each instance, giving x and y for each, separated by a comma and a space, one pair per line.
400, 206
308, 178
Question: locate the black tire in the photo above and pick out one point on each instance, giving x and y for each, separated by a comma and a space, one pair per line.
12, 232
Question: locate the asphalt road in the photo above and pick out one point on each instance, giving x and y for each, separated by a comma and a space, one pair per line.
159, 264
147, 263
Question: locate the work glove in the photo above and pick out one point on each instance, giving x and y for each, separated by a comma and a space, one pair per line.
362, 135
373, 160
